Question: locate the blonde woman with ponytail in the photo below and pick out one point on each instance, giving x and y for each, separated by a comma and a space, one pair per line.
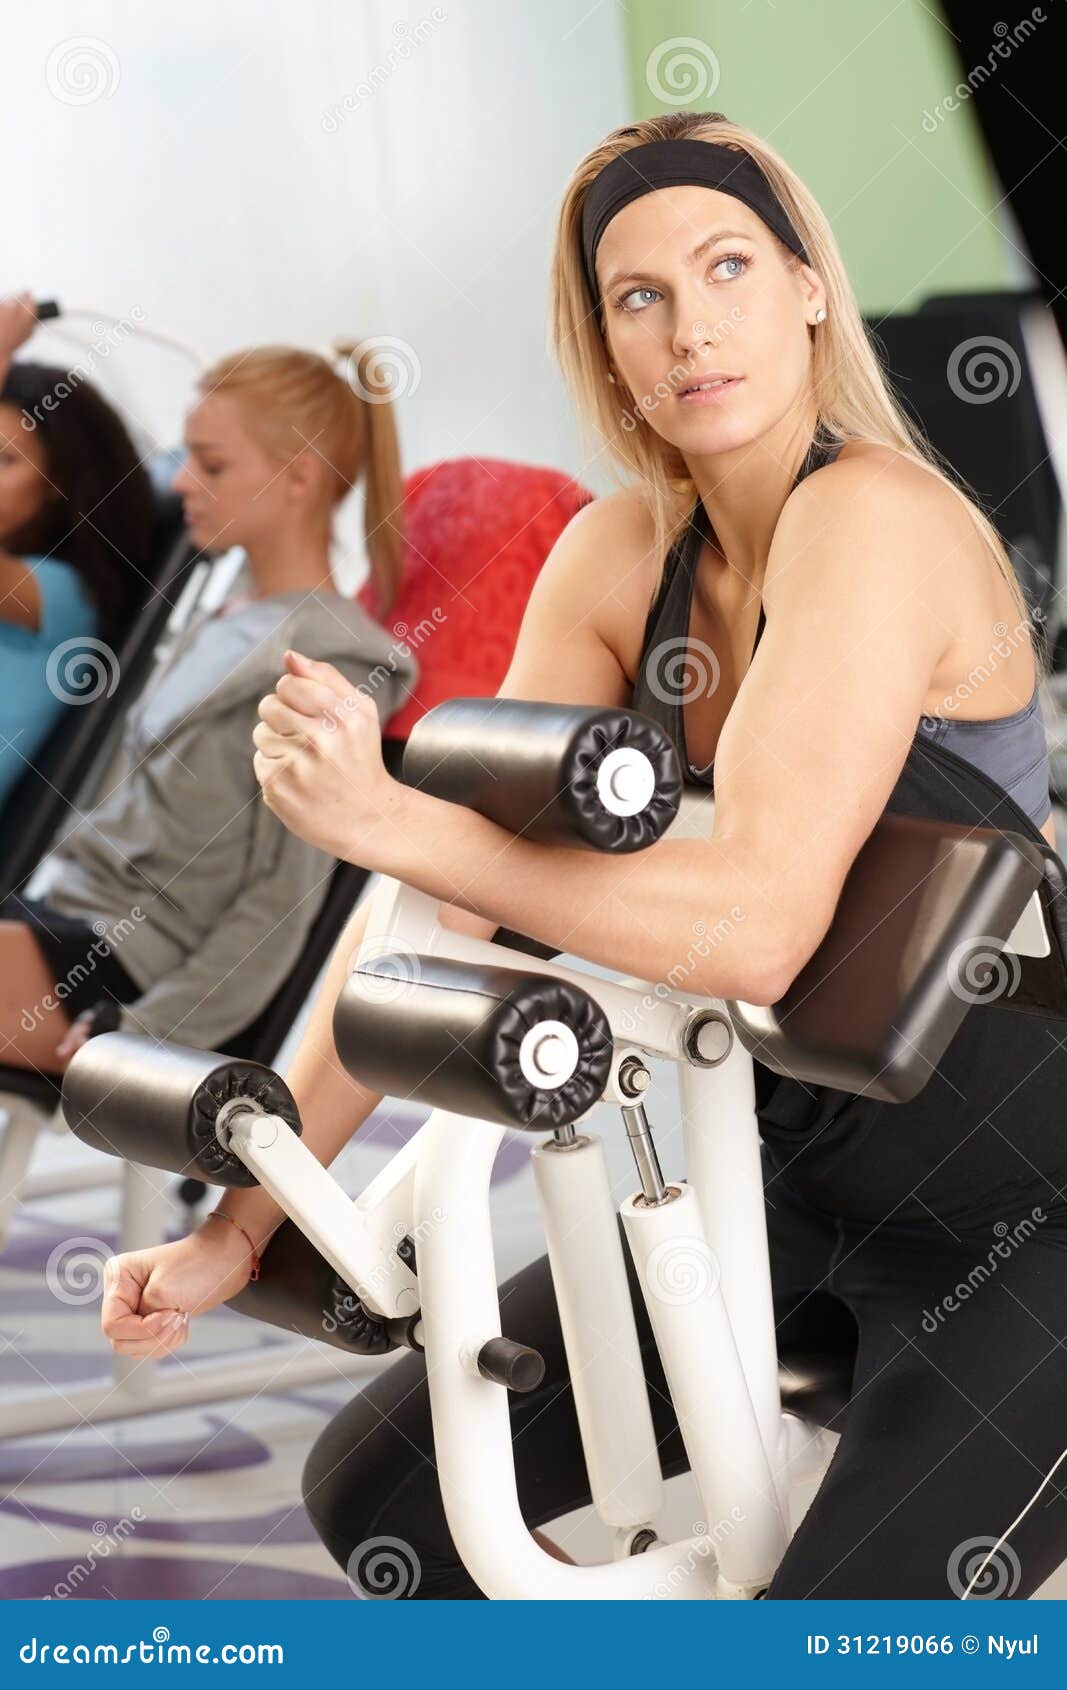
208, 895
774, 497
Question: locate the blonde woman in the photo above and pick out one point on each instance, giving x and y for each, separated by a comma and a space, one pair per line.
180, 896
774, 492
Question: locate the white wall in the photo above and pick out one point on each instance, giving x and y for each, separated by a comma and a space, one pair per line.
196, 165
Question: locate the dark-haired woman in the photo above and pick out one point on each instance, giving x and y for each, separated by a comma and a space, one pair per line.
75, 531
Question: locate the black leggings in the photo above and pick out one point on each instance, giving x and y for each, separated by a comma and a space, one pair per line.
958, 1412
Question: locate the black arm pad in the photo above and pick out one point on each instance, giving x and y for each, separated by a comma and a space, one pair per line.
533, 767
448, 1033
298, 1290
156, 1103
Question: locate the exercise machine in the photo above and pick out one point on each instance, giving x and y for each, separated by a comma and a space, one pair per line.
491, 1036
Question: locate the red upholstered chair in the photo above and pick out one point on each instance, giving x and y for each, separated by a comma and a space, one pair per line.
478, 531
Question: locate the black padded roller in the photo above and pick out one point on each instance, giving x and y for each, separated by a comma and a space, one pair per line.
533, 768
449, 1034
156, 1103
299, 1291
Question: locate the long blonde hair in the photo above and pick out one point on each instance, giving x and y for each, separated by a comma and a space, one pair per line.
291, 397
850, 390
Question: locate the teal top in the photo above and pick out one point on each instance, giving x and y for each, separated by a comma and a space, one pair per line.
45, 669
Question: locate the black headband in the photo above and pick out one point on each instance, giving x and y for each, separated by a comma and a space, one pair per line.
672, 164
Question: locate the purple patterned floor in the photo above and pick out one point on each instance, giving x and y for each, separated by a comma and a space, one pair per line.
202, 1502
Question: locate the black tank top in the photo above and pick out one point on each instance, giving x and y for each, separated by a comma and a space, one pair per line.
985, 1133
668, 662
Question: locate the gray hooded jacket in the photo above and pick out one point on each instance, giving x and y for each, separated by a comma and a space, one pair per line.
206, 897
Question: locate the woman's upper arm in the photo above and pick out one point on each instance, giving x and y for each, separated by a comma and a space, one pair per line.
858, 615
587, 604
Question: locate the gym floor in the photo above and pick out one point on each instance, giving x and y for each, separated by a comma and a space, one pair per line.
204, 1503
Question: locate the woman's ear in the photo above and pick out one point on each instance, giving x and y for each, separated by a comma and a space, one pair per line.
306, 474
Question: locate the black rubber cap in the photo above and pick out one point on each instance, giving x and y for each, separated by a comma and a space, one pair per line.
514, 1365
47, 308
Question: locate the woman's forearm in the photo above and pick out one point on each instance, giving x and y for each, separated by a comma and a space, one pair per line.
697, 913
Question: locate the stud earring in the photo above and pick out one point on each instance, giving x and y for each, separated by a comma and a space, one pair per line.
611, 377
820, 315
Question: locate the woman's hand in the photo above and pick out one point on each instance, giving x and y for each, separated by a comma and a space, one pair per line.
319, 762
18, 319
150, 1294
73, 1039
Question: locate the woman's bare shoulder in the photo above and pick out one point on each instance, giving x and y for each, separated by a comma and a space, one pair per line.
889, 473
609, 567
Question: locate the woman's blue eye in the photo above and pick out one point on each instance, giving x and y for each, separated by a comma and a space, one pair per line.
632, 294
732, 258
